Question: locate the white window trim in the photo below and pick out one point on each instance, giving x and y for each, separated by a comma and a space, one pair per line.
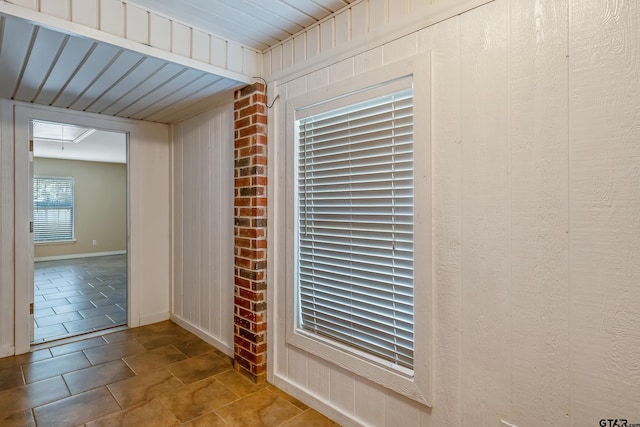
416, 385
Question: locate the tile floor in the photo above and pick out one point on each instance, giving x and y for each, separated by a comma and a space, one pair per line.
157, 375
79, 295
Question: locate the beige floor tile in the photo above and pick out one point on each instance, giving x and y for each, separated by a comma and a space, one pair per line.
77, 346
295, 402
200, 367
148, 414
114, 351
154, 359
97, 376
23, 359
18, 419
10, 378
238, 383
55, 366
32, 395
260, 409
309, 418
76, 410
209, 420
197, 399
195, 347
145, 387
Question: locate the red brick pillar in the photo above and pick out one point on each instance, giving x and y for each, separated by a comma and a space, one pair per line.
250, 232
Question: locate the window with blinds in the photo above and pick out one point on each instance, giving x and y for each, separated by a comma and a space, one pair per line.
53, 206
355, 250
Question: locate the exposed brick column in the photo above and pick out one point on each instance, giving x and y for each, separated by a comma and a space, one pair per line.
250, 232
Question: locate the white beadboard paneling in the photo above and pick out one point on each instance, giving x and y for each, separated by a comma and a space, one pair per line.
359, 19
178, 225
287, 54
604, 181
300, 48
342, 389
235, 56
370, 402
313, 41
203, 224
85, 12
251, 62
57, 8
180, 39
539, 213
276, 59
447, 222
200, 46
137, 24
485, 217
112, 17
378, 13
319, 377
343, 27
218, 52
401, 48
160, 32
327, 35
340, 71
398, 11
30, 4
369, 60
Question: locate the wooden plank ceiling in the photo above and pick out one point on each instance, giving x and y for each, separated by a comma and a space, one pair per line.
255, 23
46, 67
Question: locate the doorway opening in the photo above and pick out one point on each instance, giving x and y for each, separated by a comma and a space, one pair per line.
79, 226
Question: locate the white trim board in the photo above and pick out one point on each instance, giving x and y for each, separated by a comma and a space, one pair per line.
205, 336
76, 256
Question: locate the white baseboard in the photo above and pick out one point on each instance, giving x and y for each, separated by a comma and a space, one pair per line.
7, 350
316, 403
75, 256
205, 336
153, 318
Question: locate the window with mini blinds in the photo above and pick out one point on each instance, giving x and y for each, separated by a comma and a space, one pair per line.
53, 209
355, 225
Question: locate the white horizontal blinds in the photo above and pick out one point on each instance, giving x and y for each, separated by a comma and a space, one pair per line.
355, 204
52, 209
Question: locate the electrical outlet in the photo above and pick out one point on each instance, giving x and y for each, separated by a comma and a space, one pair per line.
95, 242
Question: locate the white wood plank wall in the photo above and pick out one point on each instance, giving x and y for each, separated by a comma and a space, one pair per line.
536, 212
136, 24
203, 225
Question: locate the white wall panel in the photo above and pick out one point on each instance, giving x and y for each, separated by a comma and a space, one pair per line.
235, 56
201, 49
180, 39
218, 52
160, 32
57, 8
539, 213
202, 184
343, 27
85, 13
604, 186
327, 35
137, 24
535, 217
485, 219
112, 19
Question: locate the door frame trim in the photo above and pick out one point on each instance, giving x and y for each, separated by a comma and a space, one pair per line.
24, 253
